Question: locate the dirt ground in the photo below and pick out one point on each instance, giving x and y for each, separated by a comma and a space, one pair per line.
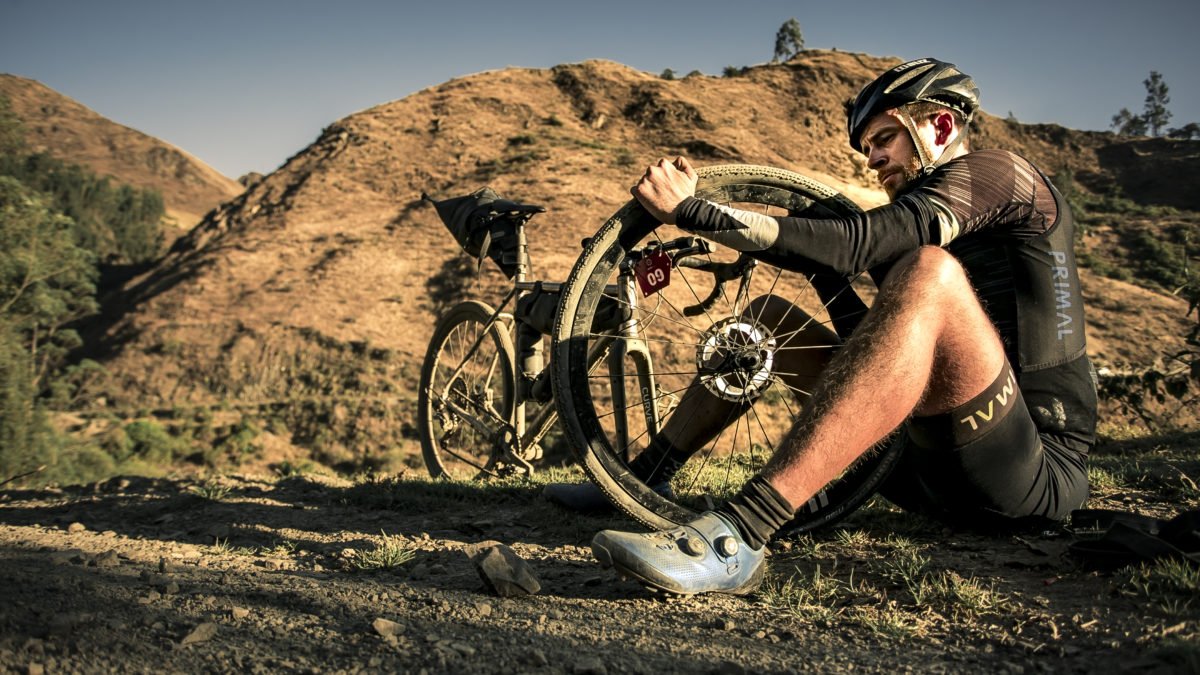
273, 575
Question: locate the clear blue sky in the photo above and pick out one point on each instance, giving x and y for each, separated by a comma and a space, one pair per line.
245, 84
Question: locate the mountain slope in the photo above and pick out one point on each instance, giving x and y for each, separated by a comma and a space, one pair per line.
312, 294
67, 130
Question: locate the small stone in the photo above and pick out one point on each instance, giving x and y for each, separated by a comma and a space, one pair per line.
170, 588
239, 613
76, 527
35, 669
555, 614
387, 628
537, 657
502, 570
726, 624
484, 609
463, 648
200, 633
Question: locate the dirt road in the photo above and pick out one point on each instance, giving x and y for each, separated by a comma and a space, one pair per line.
139, 575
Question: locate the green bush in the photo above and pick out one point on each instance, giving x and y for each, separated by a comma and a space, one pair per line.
148, 440
117, 222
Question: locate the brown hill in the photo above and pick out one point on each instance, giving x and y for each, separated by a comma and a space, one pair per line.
307, 299
67, 130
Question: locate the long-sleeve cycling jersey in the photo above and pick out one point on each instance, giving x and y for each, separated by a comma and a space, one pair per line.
1009, 228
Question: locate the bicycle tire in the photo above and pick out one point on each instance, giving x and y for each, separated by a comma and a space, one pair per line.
604, 463
451, 412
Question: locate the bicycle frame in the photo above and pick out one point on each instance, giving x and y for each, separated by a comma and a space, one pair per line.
511, 439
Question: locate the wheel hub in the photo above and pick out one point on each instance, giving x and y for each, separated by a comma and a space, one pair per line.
736, 358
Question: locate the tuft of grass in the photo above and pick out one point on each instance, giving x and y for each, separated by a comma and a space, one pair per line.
943, 591
1159, 474
811, 597
388, 554
957, 595
857, 539
1103, 480
889, 621
282, 547
1171, 582
210, 490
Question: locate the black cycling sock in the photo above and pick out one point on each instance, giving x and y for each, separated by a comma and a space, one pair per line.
758, 511
659, 462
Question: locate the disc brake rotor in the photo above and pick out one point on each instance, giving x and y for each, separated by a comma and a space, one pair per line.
736, 357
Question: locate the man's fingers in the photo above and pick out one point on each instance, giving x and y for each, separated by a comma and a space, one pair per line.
686, 167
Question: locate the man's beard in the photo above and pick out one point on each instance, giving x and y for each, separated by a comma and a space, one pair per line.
908, 174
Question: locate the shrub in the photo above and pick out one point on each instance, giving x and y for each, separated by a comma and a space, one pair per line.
148, 440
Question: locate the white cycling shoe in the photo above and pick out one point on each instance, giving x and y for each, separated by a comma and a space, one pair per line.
706, 555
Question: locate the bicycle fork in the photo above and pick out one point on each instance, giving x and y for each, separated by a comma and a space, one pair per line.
629, 344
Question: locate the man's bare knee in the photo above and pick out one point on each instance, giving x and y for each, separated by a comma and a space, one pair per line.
929, 270
770, 308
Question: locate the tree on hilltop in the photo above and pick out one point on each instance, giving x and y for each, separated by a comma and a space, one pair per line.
789, 41
1154, 117
1187, 132
1157, 99
1126, 123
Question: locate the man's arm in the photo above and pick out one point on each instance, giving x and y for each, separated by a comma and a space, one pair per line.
988, 189
847, 245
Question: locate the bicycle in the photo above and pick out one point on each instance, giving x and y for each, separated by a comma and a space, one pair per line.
476, 387
484, 367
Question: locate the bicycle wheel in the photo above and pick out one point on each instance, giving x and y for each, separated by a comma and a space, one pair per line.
730, 368
466, 395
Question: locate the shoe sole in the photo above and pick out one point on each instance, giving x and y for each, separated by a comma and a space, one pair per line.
606, 561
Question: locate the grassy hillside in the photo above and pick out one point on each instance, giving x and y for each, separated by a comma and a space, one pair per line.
297, 313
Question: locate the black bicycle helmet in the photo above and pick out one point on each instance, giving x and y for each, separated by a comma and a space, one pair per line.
920, 80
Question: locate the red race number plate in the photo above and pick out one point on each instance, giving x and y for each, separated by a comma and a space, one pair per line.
653, 272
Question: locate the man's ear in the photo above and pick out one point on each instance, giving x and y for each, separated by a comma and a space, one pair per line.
943, 125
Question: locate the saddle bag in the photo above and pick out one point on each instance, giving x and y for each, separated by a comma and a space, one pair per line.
485, 226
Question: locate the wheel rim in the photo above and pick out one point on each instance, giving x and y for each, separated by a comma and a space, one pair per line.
470, 395
734, 355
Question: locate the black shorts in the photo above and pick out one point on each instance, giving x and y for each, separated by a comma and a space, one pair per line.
985, 464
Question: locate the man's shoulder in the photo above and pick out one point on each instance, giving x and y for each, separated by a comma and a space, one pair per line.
995, 155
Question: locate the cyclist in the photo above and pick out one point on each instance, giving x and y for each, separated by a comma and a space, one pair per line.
974, 348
